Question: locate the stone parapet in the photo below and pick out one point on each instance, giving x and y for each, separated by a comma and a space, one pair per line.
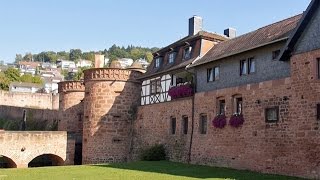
111, 74
71, 86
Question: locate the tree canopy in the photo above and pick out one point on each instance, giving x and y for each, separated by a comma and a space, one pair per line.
13, 75
113, 53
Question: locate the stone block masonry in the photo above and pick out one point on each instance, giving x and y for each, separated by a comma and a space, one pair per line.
42, 119
23, 147
111, 98
289, 146
29, 100
71, 108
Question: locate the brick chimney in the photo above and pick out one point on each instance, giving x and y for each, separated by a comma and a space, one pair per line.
195, 25
230, 32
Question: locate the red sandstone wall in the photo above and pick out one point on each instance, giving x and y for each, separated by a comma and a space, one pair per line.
111, 98
290, 146
46, 117
152, 126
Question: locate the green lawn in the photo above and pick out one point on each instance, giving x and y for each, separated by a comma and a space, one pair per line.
136, 170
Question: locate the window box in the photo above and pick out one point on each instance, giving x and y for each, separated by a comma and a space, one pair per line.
219, 121
236, 120
181, 91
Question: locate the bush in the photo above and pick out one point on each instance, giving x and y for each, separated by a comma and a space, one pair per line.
155, 153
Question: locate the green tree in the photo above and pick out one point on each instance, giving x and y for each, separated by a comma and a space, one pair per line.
79, 75
27, 57
18, 58
26, 78
136, 53
12, 74
4, 82
89, 56
37, 80
75, 54
63, 55
149, 56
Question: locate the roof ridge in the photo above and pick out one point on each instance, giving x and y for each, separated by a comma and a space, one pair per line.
266, 26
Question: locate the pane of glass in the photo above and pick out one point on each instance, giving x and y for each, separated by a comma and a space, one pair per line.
153, 87
272, 114
203, 124
244, 67
252, 66
318, 68
216, 73
210, 75
239, 106
222, 107
173, 126
185, 125
158, 85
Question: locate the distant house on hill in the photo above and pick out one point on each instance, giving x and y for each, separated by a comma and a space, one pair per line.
28, 67
125, 62
24, 87
84, 63
64, 64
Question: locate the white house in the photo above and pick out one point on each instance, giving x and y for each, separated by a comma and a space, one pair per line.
24, 87
84, 63
64, 64
125, 62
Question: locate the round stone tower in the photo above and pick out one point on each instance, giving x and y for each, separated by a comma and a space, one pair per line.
71, 95
111, 98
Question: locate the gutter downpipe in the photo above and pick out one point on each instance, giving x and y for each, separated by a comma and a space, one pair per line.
192, 113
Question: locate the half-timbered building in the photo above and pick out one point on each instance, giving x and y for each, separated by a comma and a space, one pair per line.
168, 68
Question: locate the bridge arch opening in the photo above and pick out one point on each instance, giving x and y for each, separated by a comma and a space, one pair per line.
6, 162
46, 160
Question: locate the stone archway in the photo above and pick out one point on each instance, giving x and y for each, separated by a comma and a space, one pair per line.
6, 162
46, 160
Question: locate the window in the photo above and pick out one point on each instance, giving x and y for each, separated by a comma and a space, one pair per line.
155, 86
251, 65
247, 66
187, 53
222, 106
239, 105
318, 64
158, 62
172, 57
275, 54
272, 114
185, 124
213, 74
318, 112
173, 125
203, 124
243, 67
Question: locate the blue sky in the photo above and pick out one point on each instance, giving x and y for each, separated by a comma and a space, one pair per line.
42, 25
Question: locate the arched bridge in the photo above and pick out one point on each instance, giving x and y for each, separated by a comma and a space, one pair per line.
20, 149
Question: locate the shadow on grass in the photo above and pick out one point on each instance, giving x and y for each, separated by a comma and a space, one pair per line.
193, 171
